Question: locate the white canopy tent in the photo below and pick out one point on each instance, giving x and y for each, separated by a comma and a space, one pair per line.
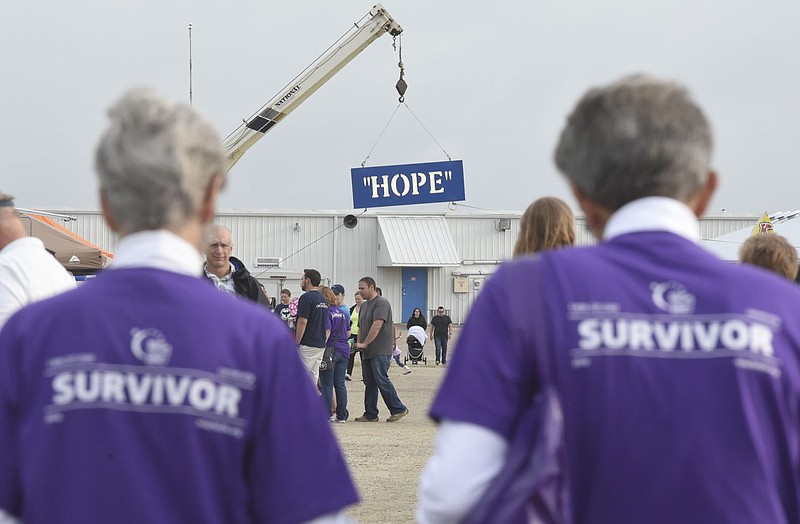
727, 246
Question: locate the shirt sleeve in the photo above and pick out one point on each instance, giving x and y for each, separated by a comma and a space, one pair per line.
10, 487
346, 324
381, 311
12, 296
465, 459
490, 354
303, 307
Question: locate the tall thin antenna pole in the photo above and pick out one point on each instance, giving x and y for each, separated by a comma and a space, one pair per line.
190, 64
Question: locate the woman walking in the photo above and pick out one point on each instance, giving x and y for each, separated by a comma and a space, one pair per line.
333, 377
417, 319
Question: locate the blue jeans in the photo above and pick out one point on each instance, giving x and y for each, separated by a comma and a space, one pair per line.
441, 349
333, 379
375, 372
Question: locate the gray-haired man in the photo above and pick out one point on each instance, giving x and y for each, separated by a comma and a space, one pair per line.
644, 379
227, 272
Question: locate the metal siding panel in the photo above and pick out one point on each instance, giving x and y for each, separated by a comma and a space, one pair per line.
355, 254
477, 238
92, 226
711, 227
390, 280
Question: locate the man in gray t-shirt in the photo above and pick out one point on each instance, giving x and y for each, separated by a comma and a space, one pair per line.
376, 341
377, 308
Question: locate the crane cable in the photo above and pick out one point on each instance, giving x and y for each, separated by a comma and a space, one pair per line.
401, 87
308, 245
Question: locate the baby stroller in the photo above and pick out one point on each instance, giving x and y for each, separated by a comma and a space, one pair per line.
415, 340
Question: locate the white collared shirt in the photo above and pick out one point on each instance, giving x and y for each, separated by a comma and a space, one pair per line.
225, 283
158, 249
29, 273
653, 214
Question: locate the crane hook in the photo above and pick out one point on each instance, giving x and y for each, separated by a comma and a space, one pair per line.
401, 85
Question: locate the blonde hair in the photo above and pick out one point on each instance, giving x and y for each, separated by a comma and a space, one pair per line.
770, 251
548, 223
327, 292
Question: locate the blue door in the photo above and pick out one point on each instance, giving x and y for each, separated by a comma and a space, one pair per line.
415, 290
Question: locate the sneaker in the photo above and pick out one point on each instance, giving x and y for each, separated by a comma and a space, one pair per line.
364, 418
437, 362
407, 371
348, 377
340, 420
396, 417
333, 417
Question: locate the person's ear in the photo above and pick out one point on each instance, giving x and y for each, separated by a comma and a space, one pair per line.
699, 202
596, 215
208, 207
107, 214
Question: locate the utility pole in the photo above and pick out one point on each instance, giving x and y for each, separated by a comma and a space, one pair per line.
190, 64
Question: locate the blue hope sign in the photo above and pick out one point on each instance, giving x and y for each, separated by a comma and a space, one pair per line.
407, 184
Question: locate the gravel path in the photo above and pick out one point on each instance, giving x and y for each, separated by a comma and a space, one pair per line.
386, 459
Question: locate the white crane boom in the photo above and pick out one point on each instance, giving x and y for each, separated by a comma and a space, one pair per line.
377, 22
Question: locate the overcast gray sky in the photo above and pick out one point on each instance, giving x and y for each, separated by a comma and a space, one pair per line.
492, 81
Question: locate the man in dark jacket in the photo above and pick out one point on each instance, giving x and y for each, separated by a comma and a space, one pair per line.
226, 272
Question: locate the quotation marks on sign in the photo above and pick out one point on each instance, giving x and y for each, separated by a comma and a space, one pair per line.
402, 184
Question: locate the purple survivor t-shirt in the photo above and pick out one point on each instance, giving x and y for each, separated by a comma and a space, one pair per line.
339, 326
148, 396
678, 376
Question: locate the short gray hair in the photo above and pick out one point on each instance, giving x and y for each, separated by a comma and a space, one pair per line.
637, 137
156, 161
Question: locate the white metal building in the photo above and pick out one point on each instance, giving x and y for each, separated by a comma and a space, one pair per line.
418, 260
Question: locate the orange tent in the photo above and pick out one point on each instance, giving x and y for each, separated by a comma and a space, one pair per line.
76, 254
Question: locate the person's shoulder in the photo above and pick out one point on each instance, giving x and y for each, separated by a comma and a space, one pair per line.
521, 264
382, 302
238, 265
757, 279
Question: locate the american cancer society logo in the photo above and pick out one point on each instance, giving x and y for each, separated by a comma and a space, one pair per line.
672, 297
150, 346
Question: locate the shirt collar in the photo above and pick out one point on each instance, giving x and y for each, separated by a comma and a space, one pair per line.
228, 275
653, 214
159, 249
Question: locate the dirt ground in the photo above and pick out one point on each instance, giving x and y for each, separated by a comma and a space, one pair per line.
386, 459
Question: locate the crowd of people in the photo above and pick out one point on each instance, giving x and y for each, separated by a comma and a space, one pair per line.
325, 330
637, 380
